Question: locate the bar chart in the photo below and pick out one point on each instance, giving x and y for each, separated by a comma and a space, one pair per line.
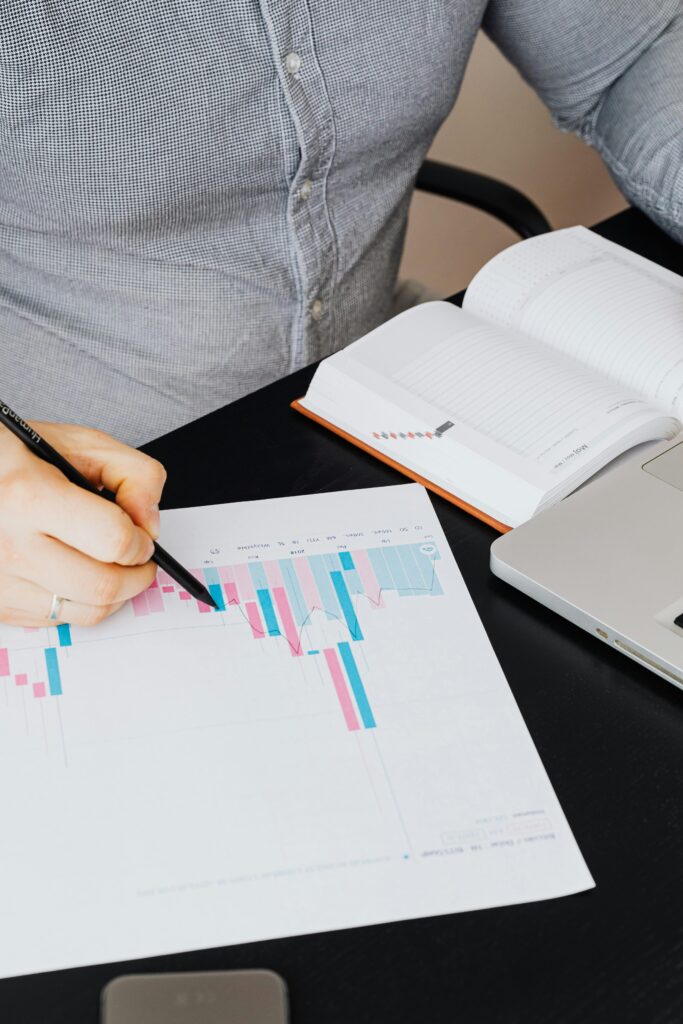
406, 435
276, 600
334, 746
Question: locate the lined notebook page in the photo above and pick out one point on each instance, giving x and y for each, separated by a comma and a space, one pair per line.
519, 409
591, 299
533, 404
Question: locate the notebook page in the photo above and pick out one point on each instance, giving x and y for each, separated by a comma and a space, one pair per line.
521, 412
614, 311
457, 462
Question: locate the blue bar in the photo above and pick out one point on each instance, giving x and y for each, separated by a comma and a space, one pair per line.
64, 634
413, 570
357, 685
321, 575
379, 566
421, 565
216, 591
397, 571
268, 612
312, 652
53, 677
213, 585
211, 576
296, 597
346, 605
351, 577
427, 564
258, 575
353, 582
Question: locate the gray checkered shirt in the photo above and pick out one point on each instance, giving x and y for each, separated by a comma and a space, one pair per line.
196, 198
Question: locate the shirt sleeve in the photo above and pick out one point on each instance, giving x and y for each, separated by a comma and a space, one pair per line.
612, 72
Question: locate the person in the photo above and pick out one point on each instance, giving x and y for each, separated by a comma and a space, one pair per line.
196, 199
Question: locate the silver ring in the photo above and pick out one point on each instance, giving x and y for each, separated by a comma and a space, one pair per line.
55, 608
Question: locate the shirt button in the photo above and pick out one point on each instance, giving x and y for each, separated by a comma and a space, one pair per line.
293, 63
306, 188
317, 309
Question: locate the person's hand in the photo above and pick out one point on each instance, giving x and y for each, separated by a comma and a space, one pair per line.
57, 538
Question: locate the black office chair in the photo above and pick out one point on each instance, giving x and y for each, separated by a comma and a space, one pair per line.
489, 194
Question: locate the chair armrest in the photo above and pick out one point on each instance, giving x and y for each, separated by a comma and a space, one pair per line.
488, 194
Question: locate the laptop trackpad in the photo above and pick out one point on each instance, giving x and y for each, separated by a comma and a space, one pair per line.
668, 466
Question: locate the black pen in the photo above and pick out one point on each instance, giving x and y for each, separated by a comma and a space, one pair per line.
45, 451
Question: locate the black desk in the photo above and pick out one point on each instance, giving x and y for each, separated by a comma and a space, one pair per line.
610, 735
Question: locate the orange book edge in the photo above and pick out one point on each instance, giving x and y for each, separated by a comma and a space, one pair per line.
454, 500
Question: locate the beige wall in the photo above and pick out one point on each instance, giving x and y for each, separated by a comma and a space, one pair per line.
500, 127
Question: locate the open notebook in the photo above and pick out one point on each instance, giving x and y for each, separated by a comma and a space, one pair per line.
568, 351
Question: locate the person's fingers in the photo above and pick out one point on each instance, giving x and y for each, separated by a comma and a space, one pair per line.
81, 520
138, 486
71, 574
58, 538
23, 603
135, 478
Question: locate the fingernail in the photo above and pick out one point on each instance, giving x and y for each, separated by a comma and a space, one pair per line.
154, 521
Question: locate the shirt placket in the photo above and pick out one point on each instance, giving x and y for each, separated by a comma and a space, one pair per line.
310, 227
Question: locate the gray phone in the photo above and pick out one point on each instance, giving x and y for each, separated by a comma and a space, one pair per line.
207, 997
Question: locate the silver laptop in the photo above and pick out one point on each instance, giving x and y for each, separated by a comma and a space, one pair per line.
610, 558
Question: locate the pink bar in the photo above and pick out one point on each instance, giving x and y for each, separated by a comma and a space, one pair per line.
285, 611
231, 594
273, 575
140, 606
204, 607
362, 562
4, 661
39, 689
31, 629
244, 583
167, 590
184, 596
307, 583
21, 679
226, 574
155, 601
257, 630
348, 710
164, 579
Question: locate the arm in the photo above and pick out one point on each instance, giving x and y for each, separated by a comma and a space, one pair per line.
611, 71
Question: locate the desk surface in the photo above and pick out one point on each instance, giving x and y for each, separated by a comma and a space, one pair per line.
610, 735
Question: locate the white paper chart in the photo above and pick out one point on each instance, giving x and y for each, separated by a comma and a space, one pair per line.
335, 746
